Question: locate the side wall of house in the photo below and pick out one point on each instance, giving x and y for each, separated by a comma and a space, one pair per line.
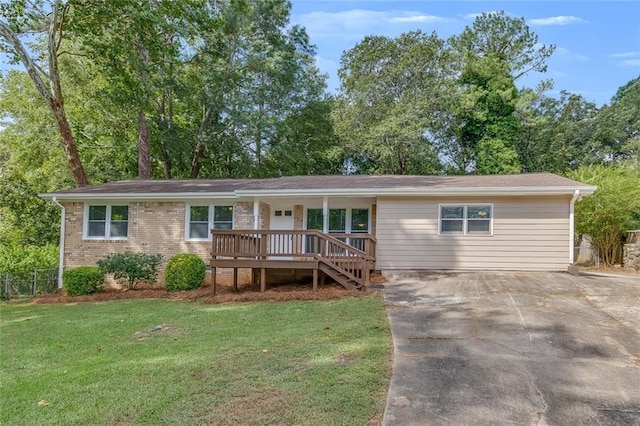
154, 227
529, 233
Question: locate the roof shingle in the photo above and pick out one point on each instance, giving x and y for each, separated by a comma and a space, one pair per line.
319, 183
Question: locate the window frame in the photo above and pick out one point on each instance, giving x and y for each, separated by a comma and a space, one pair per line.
107, 222
348, 219
210, 219
465, 219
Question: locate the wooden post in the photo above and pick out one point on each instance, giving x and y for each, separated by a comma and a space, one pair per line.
263, 246
315, 279
235, 279
213, 280
367, 272
263, 280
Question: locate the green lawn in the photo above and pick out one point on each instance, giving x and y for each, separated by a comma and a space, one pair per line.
311, 362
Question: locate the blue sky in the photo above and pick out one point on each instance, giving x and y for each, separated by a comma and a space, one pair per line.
597, 42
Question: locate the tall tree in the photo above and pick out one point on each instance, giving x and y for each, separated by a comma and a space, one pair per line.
488, 58
390, 95
306, 144
618, 130
488, 126
255, 73
138, 46
498, 34
612, 210
557, 134
48, 21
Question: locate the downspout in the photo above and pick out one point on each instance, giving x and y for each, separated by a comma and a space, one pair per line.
62, 232
576, 195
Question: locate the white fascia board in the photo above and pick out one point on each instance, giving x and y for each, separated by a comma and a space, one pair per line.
141, 196
339, 192
373, 192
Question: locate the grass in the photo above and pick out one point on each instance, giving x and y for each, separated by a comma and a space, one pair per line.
311, 362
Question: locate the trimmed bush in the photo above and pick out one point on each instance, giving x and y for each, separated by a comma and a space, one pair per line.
131, 267
82, 280
184, 272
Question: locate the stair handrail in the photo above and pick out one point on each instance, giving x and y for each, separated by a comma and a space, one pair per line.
342, 244
359, 254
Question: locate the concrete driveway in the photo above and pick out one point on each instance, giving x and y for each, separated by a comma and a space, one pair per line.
505, 348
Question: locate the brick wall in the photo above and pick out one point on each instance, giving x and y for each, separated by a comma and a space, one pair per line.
243, 215
154, 227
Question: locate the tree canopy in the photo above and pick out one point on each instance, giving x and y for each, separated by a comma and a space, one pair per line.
230, 88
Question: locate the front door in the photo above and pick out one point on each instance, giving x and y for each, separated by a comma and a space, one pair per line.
281, 219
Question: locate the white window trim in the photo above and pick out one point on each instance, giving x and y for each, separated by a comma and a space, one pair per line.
348, 218
107, 226
187, 217
465, 220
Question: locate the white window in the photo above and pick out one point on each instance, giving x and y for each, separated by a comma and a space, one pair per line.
465, 219
360, 221
106, 222
201, 219
341, 221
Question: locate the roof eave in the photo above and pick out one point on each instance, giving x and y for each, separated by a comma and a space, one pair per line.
343, 192
418, 191
138, 196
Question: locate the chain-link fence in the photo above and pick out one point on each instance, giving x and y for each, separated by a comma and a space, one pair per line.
29, 283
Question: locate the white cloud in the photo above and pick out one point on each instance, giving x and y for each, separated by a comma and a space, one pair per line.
625, 55
630, 63
356, 23
416, 17
557, 20
626, 59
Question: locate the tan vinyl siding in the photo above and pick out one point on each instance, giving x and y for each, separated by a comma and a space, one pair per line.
529, 233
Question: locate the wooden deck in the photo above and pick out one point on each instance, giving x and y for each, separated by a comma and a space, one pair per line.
347, 258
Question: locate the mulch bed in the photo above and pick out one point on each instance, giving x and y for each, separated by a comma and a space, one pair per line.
224, 294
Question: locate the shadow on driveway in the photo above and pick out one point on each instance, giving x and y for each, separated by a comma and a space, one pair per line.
520, 348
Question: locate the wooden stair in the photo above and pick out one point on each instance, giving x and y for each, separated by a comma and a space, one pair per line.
341, 277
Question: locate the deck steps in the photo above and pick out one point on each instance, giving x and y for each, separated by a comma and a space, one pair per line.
340, 277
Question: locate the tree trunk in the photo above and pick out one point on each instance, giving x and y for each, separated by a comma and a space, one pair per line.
52, 95
73, 158
144, 139
198, 154
144, 148
196, 163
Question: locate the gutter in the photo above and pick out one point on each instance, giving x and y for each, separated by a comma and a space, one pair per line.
576, 195
417, 191
330, 192
62, 232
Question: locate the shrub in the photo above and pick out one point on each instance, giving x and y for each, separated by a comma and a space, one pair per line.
131, 267
184, 272
82, 280
17, 258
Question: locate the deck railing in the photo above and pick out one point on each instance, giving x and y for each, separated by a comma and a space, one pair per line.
352, 255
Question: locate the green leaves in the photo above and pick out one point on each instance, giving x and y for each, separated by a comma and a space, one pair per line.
131, 267
26, 218
390, 94
496, 33
612, 210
